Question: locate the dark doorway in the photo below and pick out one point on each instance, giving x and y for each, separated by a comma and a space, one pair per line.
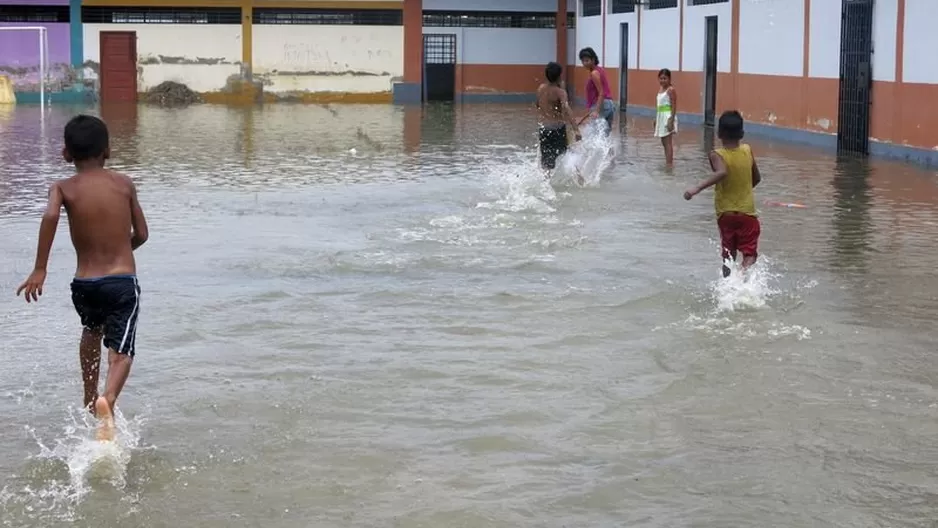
623, 66
118, 66
856, 76
439, 67
710, 71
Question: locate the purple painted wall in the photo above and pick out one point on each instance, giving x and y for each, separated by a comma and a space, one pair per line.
19, 55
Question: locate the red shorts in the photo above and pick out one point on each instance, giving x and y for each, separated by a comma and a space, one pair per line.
739, 233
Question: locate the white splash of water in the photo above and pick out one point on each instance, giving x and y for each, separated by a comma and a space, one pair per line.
518, 185
89, 463
585, 161
744, 289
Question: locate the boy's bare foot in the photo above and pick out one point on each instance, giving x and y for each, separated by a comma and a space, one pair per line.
103, 411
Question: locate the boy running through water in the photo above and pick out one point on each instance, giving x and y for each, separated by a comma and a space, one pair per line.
553, 114
735, 174
106, 225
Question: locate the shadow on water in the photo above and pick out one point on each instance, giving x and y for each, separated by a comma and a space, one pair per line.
853, 226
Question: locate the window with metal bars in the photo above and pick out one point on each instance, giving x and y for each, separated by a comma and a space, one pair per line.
706, 2
623, 6
34, 13
160, 15
661, 4
490, 19
439, 49
571, 20
329, 17
591, 8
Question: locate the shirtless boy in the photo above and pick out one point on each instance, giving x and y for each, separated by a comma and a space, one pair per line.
106, 225
553, 113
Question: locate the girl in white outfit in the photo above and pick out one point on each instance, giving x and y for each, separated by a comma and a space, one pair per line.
666, 117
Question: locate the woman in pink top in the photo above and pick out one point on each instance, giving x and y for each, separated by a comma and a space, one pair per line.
598, 95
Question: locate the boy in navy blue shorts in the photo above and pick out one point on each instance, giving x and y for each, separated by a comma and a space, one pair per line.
107, 225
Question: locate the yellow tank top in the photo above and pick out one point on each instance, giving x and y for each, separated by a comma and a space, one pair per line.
734, 193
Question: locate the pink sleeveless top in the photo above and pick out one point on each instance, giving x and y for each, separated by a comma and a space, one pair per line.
592, 96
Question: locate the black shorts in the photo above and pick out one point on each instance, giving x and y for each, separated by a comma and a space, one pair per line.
553, 141
111, 304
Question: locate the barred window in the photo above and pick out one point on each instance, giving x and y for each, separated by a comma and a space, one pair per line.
661, 4
571, 20
592, 8
160, 15
707, 2
34, 13
490, 19
623, 6
329, 17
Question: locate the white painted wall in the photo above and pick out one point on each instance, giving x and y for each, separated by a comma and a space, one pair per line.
176, 50
695, 35
771, 37
589, 33
921, 40
501, 45
491, 5
661, 44
824, 53
612, 56
344, 59
572, 50
885, 19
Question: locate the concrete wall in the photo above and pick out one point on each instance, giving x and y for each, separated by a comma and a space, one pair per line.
19, 55
319, 58
491, 5
201, 56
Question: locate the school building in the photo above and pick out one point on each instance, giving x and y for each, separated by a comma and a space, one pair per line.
858, 75
854, 74
308, 50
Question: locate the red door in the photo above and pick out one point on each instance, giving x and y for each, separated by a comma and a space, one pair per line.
118, 50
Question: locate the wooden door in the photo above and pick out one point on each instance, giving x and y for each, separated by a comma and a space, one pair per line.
118, 73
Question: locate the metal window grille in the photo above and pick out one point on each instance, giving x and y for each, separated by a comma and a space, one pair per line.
571, 20
329, 17
661, 4
158, 15
34, 13
707, 2
623, 6
591, 8
489, 19
439, 49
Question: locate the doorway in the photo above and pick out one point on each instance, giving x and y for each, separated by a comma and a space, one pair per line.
439, 67
623, 66
856, 76
710, 71
118, 66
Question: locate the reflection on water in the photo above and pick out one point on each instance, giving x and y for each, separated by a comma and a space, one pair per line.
384, 316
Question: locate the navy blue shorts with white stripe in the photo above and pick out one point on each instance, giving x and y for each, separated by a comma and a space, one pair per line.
110, 304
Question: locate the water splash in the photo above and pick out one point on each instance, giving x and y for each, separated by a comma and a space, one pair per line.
518, 185
744, 289
585, 161
66, 470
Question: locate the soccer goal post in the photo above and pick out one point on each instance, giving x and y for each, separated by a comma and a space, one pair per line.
42, 42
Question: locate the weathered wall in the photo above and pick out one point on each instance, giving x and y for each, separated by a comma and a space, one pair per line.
19, 56
201, 56
338, 59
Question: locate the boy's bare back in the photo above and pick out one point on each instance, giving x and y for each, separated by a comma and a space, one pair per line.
105, 221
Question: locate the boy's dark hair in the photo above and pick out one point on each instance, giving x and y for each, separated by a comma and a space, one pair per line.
664, 71
86, 138
589, 53
730, 127
552, 72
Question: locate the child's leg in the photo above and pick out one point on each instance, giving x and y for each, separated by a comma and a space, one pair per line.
749, 241
668, 143
117, 372
89, 353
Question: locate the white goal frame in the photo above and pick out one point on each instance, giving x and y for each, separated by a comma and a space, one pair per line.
43, 38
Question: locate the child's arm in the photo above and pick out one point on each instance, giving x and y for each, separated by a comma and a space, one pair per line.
47, 228
672, 94
756, 175
137, 221
568, 115
719, 172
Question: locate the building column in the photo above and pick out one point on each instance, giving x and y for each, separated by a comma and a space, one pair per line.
561, 53
247, 40
76, 35
410, 91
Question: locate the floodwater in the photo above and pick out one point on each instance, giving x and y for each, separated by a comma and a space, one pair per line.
370, 316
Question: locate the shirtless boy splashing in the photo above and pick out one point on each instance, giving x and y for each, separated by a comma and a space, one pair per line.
553, 114
107, 225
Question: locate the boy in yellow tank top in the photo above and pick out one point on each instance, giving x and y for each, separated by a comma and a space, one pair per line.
735, 174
